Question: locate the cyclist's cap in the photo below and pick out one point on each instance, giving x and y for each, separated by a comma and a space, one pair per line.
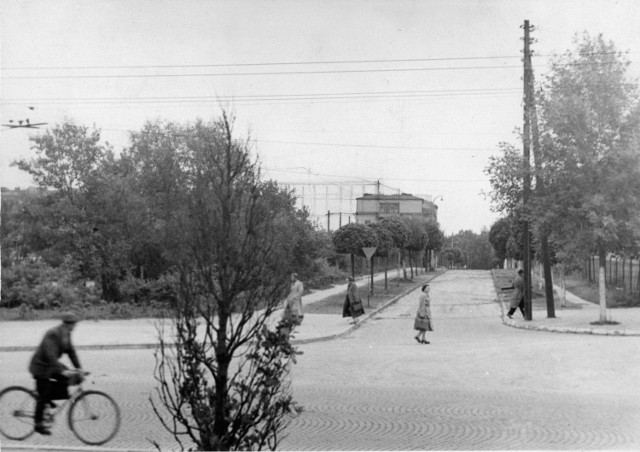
70, 317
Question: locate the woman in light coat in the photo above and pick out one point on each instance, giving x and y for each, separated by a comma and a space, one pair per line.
293, 314
422, 322
352, 306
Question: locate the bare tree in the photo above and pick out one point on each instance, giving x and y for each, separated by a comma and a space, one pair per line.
224, 385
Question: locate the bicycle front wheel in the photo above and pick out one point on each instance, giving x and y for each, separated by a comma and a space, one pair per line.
94, 417
17, 407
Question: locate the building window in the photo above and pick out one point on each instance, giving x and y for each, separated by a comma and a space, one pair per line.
389, 207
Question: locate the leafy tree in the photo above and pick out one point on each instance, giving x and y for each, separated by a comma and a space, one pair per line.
67, 155
384, 241
400, 233
417, 239
351, 238
435, 239
499, 237
590, 123
77, 213
225, 385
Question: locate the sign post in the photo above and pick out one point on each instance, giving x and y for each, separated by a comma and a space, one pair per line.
368, 252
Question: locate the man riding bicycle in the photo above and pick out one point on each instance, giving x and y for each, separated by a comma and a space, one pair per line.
47, 369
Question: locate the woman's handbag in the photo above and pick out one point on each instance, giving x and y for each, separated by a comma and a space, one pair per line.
422, 324
357, 309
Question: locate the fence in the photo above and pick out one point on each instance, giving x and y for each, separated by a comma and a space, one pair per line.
622, 273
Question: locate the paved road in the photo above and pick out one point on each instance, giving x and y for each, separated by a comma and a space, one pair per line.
478, 385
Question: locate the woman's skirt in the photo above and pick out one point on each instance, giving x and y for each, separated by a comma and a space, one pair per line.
422, 324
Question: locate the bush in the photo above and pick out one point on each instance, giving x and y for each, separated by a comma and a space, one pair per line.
38, 285
324, 275
140, 291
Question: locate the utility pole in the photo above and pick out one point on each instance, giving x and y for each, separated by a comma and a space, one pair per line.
526, 141
328, 221
540, 189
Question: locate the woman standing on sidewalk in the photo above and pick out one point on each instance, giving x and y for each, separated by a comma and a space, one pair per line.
352, 306
423, 316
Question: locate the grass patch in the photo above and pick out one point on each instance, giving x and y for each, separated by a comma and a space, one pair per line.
616, 298
395, 287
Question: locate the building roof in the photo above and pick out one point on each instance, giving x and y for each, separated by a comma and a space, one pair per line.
380, 197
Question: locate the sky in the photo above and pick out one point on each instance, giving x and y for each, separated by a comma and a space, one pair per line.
340, 98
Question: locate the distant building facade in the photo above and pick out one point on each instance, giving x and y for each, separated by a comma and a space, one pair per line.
371, 208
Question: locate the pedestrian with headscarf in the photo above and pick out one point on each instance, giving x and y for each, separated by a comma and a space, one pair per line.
352, 306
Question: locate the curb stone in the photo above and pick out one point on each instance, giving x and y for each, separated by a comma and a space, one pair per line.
551, 329
366, 317
153, 345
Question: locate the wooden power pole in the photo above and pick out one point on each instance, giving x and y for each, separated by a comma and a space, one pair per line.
526, 140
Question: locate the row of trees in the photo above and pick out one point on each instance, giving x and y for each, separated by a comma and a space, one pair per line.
586, 195
468, 250
414, 237
119, 220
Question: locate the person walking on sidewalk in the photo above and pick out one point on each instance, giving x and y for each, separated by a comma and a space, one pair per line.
517, 298
422, 322
50, 374
293, 314
352, 306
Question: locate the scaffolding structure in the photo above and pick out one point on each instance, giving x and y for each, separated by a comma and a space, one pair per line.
333, 204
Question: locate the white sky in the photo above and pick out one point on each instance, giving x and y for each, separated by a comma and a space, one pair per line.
428, 130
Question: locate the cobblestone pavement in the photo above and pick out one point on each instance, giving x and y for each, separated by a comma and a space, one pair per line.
479, 385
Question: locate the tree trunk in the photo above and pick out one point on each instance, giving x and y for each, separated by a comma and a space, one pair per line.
602, 285
563, 287
353, 266
371, 261
386, 262
221, 422
548, 279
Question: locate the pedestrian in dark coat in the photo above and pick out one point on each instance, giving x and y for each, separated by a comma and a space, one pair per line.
517, 298
352, 306
422, 322
46, 368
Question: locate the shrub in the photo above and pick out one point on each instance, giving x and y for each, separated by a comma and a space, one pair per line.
146, 292
40, 286
324, 275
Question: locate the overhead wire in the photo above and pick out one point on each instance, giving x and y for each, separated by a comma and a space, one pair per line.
271, 97
291, 63
238, 74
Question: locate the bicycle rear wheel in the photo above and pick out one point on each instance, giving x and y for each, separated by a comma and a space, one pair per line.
17, 407
94, 418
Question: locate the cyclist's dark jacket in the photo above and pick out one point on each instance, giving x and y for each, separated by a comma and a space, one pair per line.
45, 362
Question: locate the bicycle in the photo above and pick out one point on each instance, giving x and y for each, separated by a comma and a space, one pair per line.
93, 416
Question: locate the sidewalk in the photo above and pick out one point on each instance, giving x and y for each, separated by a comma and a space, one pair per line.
143, 333
576, 318
18, 336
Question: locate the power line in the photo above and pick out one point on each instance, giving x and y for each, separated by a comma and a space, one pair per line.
420, 148
270, 97
226, 74
291, 63
280, 63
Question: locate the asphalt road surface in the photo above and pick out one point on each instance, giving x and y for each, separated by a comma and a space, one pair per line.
479, 385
